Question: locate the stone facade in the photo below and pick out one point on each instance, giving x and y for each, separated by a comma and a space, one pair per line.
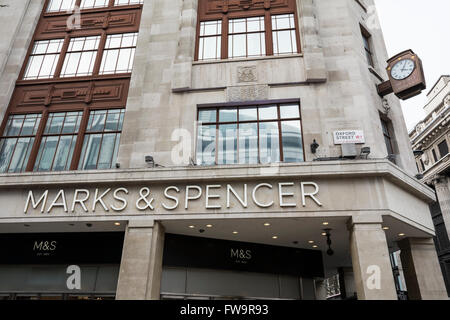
336, 89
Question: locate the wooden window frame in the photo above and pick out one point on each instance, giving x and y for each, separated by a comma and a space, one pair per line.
257, 105
207, 11
94, 22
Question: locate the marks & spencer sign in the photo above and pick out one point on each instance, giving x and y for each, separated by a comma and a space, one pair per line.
167, 199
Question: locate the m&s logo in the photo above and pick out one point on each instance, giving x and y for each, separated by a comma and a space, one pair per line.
242, 256
44, 246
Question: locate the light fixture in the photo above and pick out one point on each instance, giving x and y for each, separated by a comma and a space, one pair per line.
418, 153
117, 223
275, 237
365, 151
315, 246
314, 146
209, 225
27, 225
419, 176
324, 234
311, 241
150, 161
326, 223
191, 227
385, 228
330, 251
235, 232
401, 234
266, 224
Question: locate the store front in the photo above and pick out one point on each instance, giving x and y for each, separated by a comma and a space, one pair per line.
60, 266
200, 268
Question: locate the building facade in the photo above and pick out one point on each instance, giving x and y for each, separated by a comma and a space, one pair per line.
205, 149
432, 137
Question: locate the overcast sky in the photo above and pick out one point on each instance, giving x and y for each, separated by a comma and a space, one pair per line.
424, 27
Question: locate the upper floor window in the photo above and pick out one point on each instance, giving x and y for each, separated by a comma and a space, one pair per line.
43, 59
443, 148
118, 56
69, 5
60, 5
388, 139
262, 29
80, 57
250, 134
246, 37
17, 142
367, 46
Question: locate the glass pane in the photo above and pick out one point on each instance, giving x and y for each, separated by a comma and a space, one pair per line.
48, 145
210, 48
206, 145
238, 46
91, 148
97, 121
30, 125
292, 141
269, 143
284, 42
284, 21
255, 24
21, 155
290, 111
107, 150
86, 65
65, 149
55, 123
48, 66
15, 126
33, 67
122, 115
227, 144
207, 115
228, 115
256, 44
6, 152
123, 60
112, 120
248, 143
268, 113
116, 150
248, 114
72, 122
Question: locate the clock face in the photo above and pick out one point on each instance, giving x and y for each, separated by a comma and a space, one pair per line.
403, 69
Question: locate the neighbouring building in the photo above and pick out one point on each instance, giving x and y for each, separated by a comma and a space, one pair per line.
205, 149
431, 140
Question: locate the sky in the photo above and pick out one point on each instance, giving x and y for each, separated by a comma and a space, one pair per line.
424, 27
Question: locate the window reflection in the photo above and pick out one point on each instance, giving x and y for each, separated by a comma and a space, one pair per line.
250, 135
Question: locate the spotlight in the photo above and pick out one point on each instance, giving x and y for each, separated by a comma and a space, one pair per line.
365, 151
314, 146
418, 153
150, 161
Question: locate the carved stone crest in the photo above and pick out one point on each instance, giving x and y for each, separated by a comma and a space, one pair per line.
248, 93
247, 74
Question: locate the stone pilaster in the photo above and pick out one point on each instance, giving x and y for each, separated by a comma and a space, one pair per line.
423, 274
141, 266
370, 258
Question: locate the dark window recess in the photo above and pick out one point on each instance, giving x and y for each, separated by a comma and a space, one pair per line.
367, 47
443, 148
422, 165
435, 158
388, 140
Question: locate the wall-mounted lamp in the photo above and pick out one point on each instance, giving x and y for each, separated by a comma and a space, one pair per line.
150, 161
365, 151
330, 251
419, 176
314, 146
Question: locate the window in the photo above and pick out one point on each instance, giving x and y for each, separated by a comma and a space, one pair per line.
127, 2
60, 5
250, 134
246, 37
80, 57
210, 40
101, 142
422, 165
17, 142
243, 30
43, 59
90, 4
118, 56
284, 34
58, 142
435, 158
387, 139
367, 47
443, 148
